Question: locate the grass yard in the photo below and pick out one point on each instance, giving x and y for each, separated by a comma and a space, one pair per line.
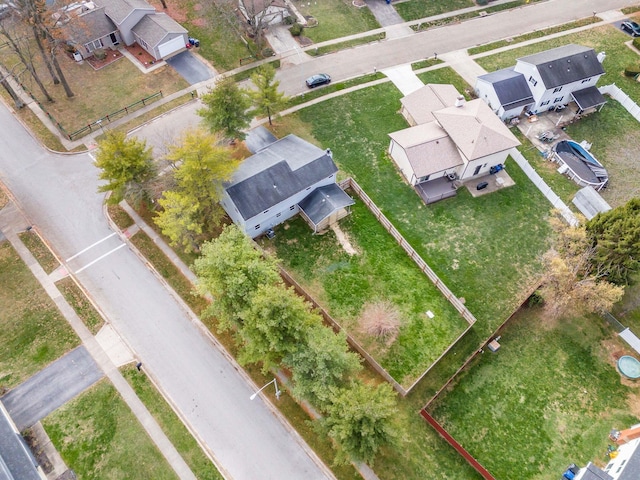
101, 92
549, 397
415, 9
74, 295
334, 47
613, 133
447, 75
39, 250
336, 19
201, 466
34, 333
345, 284
98, 437
606, 39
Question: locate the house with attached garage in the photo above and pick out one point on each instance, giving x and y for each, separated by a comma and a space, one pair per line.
544, 81
108, 23
463, 141
284, 178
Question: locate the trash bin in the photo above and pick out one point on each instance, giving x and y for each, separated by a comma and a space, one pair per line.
482, 185
77, 57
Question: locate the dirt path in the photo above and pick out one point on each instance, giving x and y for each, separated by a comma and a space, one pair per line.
343, 239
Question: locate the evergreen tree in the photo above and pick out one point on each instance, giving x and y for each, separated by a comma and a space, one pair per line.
266, 98
226, 110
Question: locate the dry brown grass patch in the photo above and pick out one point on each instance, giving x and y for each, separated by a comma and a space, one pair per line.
381, 320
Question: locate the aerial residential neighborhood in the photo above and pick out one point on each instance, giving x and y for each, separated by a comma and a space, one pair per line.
320, 240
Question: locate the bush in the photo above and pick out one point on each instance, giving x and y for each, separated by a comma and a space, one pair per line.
289, 20
381, 320
267, 52
100, 54
631, 70
296, 29
636, 42
482, 2
535, 300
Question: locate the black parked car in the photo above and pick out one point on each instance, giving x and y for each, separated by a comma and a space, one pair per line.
632, 27
317, 80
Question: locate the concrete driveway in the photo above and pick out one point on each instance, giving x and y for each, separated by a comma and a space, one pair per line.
51, 387
191, 68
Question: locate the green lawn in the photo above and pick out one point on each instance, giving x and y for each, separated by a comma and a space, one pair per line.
74, 295
336, 19
344, 284
98, 437
34, 333
416, 9
606, 39
549, 397
39, 250
611, 131
180, 437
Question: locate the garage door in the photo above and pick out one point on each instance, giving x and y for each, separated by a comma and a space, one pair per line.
171, 46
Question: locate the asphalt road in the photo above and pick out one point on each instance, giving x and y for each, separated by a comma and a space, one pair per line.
51, 387
360, 60
58, 193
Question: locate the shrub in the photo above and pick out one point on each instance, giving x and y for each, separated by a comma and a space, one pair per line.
381, 320
267, 52
296, 29
535, 300
482, 2
631, 70
100, 54
289, 20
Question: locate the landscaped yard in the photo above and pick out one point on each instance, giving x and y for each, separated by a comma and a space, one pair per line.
98, 437
336, 18
381, 271
548, 398
34, 333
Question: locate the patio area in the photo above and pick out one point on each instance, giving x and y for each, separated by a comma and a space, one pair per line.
497, 181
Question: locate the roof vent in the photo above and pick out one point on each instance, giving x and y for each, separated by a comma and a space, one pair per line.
459, 101
329, 152
274, 186
601, 57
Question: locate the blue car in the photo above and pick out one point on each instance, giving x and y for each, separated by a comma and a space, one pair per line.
317, 80
632, 27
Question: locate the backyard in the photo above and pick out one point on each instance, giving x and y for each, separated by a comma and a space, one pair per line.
380, 271
548, 398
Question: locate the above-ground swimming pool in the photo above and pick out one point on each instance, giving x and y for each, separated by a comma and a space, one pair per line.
585, 168
629, 366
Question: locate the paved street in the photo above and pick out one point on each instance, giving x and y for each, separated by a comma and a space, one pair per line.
58, 193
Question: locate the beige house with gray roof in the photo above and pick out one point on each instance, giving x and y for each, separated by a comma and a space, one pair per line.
107, 23
464, 140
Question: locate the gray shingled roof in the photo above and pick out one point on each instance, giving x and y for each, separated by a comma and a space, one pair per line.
16, 461
510, 86
591, 472
323, 201
588, 97
90, 26
632, 467
154, 28
564, 65
119, 10
276, 173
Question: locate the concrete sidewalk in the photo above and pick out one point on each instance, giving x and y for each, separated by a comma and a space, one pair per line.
13, 222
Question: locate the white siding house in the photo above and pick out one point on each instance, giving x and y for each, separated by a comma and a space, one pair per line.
506, 92
268, 187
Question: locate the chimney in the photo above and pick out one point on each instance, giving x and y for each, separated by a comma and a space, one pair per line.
459, 101
601, 57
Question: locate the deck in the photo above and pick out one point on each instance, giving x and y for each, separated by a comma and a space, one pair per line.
435, 190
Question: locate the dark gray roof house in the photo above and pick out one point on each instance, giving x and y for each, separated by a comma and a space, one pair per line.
16, 460
510, 87
566, 64
268, 187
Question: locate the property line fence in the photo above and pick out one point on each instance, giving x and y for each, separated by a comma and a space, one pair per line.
459, 448
617, 94
95, 125
545, 189
613, 321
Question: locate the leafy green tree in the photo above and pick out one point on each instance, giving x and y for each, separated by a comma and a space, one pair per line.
322, 363
177, 220
230, 269
616, 237
359, 420
267, 100
202, 166
126, 164
226, 109
274, 325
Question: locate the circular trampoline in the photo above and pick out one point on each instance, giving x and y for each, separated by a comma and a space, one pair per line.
629, 366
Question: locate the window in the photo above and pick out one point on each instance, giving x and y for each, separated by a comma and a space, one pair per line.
559, 99
292, 207
557, 89
586, 80
91, 46
257, 227
545, 103
266, 211
278, 214
308, 188
533, 81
